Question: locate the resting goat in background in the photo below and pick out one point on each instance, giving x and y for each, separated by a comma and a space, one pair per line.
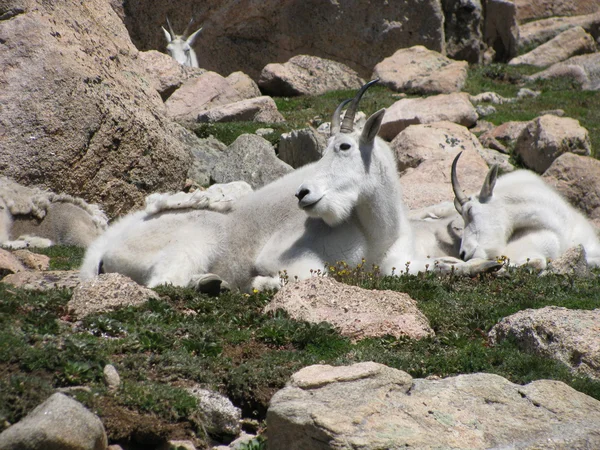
179, 46
519, 216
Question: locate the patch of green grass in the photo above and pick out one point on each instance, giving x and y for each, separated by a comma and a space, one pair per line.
62, 257
228, 132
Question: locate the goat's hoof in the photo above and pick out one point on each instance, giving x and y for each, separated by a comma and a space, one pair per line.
209, 283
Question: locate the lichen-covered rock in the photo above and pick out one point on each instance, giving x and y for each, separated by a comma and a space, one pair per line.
371, 406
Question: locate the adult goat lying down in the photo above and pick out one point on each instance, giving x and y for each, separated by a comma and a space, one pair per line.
348, 206
522, 218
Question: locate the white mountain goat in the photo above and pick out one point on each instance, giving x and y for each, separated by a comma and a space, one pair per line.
348, 207
519, 216
32, 217
179, 46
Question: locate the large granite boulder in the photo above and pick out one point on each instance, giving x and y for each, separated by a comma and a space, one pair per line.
371, 406
247, 35
78, 114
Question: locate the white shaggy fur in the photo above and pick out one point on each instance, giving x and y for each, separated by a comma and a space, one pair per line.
347, 206
30, 216
519, 216
179, 46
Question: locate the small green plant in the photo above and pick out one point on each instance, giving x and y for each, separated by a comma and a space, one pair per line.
258, 443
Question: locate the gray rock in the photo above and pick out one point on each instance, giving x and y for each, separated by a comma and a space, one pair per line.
572, 262
273, 31
43, 281
566, 335
216, 413
463, 29
547, 137
494, 157
501, 30
258, 109
107, 292
300, 147
539, 31
9, 263
528, 10
58, 423
251, 159
371, 406
205, 155
354, 312
422, 71
572, 42
577, 178
31, 260
244, 85
454, 107
583, 69
307, 75
111, 377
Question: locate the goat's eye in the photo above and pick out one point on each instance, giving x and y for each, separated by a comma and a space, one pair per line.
345, 146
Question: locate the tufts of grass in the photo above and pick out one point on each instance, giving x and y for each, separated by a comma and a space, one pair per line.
63, 257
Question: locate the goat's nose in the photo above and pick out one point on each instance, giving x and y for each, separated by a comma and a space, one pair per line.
463, 254
301, 193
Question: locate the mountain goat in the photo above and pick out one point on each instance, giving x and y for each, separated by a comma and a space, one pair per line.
345, 207
519, 216
179, 46
32, 217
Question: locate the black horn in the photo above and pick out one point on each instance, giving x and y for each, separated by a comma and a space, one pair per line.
348, 122
337, 118
187, 29
170, 29
458, 193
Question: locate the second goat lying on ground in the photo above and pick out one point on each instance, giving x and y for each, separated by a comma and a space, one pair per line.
519, 216
348, 206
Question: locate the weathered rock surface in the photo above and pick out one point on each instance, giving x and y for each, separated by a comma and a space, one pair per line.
111, 377
326, 407
540, 31
507, 134
572, 42
243, 84
259, 109
454, 107
251, 159
107, 292
9, 263
307, 75
577, 178
355, 312
424, 154
200, 94
165, 74
300, 147
501, 29
58, 423
463, 29
566, 335
78, 113
538, 9
572, 263
246, 35
584, 69
44, 281
547, 137
205, 155
421, 71
215, 413
32, 260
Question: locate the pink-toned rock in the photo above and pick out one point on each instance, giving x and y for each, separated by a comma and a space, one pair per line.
107, 292
422, 71
572, 42
354, 312
583, 69
538, 9
32, 260
9, 263
165, 73
425, 153
307, 75
43, 281
243, 84
259, 109
577, 178
454, 107
198, 94
547, 137
540, 31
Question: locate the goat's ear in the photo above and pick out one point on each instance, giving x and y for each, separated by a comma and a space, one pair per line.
167, 35
488, 185
369, 132
190, 40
